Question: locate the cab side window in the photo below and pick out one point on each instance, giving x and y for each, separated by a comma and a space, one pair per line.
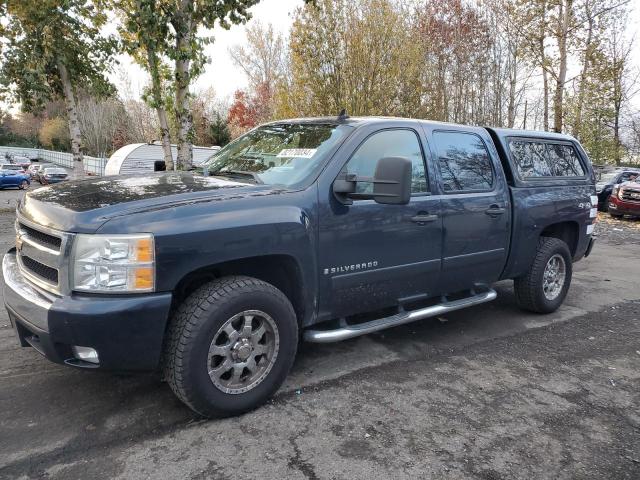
465, 164
389, 143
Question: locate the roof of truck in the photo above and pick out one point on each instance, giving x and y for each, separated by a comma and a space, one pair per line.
355, 121
512, 132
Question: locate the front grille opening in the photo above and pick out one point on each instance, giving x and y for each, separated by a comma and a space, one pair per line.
627, 195
41, 237
41, 270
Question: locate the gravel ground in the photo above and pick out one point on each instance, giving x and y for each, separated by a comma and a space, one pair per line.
618, 231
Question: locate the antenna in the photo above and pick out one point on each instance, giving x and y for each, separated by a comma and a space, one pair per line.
343, 115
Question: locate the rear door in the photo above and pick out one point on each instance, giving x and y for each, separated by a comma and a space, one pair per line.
371, 255
476, 208
11, 179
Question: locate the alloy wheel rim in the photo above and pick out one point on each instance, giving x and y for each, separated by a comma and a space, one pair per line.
243, 352
554, 276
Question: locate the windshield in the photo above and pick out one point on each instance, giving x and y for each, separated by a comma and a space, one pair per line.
277, 154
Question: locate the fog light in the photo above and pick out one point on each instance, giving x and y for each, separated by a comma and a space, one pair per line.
86, 354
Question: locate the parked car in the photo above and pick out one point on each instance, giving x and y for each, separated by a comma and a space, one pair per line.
49, 175
607, 180
13, 167
327, 228
21, 160
14, 178
35, 169
625, 199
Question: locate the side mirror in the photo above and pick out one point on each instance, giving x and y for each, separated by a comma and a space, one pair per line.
391, 183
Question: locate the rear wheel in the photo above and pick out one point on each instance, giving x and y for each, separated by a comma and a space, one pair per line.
545, 286
230, 346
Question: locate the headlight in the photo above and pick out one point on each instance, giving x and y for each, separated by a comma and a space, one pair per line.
614, 190
113, 263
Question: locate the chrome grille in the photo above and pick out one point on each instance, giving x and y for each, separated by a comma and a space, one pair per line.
42, 238
43, 255
630, 195
45, 272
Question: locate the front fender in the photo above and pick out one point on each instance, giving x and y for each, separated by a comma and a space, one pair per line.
194, 236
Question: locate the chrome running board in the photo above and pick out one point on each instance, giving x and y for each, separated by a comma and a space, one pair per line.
350, 331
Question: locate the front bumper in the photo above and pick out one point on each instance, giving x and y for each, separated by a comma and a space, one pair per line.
623, 207
127, 331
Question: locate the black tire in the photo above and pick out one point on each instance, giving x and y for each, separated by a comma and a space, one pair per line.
529, 289
193, 328
23, 185
616, 215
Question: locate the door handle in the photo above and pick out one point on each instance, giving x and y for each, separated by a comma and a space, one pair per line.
495, 210
424, 218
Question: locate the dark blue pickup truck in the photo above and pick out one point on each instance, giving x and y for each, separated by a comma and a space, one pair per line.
324, 228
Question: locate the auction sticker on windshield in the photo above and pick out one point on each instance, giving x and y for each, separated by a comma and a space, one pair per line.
297, 152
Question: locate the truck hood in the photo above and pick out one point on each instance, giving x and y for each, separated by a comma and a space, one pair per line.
84, 205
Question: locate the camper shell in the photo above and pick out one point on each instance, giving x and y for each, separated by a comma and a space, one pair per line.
149, 157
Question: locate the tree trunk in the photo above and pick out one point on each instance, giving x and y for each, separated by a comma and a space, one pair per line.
513, 79
545, 100
158, 103
577, 126
563, 18
165, 139
72, 115
543, 58
183, 27
616, 136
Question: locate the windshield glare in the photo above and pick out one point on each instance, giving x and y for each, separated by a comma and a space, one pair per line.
278, 154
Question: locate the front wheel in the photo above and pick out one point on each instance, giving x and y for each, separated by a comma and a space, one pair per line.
545, 286
24, 185
230, 346
616, 215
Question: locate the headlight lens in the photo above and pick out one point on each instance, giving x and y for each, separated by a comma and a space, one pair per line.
614, 190
114, 263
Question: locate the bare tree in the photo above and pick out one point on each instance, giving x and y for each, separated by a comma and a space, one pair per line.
102, 123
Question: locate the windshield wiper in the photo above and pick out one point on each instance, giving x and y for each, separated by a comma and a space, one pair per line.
239, 173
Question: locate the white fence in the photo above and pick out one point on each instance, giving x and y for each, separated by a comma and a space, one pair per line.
92, 165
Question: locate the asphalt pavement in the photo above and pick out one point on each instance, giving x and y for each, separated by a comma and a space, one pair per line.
490, 392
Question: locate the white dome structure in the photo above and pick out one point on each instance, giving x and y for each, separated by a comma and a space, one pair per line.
149, 157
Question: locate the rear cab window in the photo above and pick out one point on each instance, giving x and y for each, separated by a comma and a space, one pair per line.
545, 159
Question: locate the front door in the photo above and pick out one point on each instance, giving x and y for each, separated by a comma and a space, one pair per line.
371, 255
475, 208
